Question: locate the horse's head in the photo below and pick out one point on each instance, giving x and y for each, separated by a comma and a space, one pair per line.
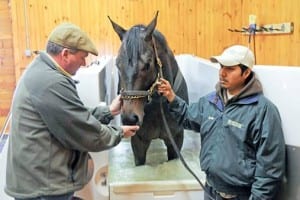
136, 62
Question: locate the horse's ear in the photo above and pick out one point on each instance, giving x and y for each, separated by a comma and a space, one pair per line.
150, 28
118, 29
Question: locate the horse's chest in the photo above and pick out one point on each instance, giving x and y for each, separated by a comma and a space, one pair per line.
152, 122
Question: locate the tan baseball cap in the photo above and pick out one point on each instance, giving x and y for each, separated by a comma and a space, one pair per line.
71, 36
235, 55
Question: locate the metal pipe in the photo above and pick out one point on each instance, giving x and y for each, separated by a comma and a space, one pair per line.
7, 120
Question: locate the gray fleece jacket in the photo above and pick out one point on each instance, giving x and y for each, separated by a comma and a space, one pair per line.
52, 133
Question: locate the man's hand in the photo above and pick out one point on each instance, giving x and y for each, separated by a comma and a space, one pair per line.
165, 89
115, 106
129, 131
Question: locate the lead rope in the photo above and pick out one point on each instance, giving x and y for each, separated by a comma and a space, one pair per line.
160, 75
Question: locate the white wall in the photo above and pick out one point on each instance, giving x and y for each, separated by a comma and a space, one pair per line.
200, 75
281, 85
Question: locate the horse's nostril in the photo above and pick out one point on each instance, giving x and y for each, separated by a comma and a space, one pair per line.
136, 119
130, 119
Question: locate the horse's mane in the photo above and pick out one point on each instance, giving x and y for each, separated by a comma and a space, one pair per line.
161, 39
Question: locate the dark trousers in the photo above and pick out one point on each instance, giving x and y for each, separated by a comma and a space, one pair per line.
211, 194
68, 196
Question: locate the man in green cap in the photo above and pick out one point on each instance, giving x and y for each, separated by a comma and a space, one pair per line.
51, 130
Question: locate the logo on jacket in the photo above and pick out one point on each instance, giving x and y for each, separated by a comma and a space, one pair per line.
234, 123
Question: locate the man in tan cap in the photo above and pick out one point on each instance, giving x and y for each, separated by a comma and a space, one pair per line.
51, 130
72, 42
70, 36
242, 143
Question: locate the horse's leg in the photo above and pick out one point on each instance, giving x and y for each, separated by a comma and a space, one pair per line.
139, 147
178, 138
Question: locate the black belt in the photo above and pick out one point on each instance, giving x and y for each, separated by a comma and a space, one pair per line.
234, 190
222, 194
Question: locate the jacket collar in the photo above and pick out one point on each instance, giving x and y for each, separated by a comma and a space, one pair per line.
53, 64
215, 99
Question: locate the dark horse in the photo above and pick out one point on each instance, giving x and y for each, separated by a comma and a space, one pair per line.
138, 61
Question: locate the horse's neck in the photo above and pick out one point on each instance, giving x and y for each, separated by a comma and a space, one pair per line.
171, 66
168, 61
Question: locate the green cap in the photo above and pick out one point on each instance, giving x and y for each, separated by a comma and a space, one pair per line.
71, 36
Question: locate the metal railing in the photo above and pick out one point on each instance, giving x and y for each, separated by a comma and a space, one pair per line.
3, 136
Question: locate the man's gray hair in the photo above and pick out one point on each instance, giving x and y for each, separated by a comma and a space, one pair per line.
54, 49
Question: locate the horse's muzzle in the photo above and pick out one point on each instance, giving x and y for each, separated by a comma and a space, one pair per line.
130, 119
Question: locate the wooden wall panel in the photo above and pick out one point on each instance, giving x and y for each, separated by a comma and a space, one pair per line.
7, 68
275, 49
198, 27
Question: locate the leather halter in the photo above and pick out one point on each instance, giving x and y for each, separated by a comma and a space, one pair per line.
138, 94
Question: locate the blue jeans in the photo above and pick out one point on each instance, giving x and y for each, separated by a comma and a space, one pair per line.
68, 196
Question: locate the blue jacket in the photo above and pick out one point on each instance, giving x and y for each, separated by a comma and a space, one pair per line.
242, 142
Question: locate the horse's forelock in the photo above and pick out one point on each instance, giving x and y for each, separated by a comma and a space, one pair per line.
133, 42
